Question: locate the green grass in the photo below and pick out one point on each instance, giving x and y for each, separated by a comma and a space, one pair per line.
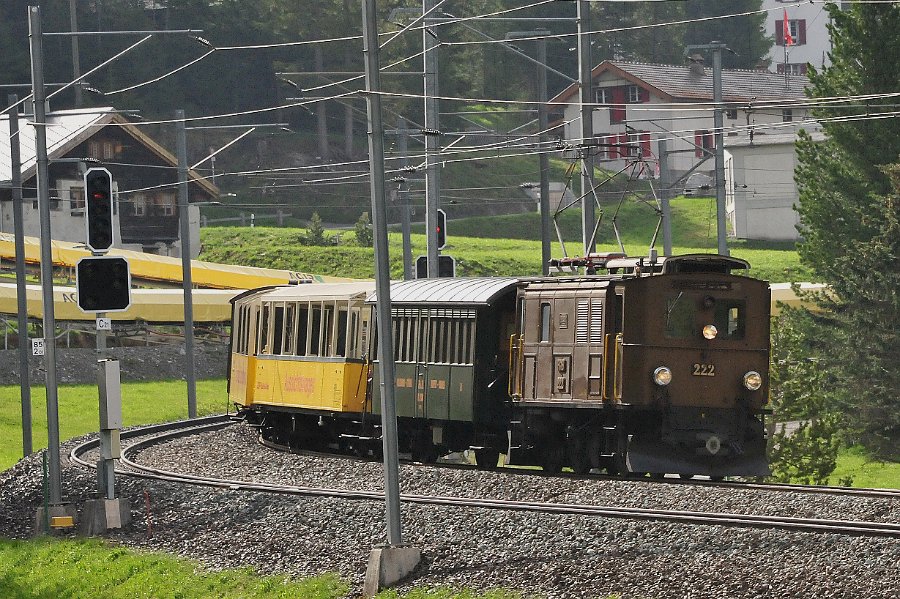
500, 245
142, 403
865, 471
92, 569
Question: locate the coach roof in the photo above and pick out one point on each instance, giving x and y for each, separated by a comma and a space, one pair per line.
455, 291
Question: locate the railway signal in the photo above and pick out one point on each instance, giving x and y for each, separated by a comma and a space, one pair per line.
446, 267
103, 284
98, 209
441, 231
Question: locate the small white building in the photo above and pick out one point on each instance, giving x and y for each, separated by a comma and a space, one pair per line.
808, 27
761, 194
660, 118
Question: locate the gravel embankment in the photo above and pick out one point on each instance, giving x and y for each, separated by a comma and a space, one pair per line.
552, 556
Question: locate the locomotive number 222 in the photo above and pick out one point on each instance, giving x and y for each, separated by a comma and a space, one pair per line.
704, 370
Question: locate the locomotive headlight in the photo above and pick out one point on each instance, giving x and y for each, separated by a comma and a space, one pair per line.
753, 380
710, 331
662, 376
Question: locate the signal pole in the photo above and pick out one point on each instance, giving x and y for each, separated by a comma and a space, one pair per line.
587, 126
54, 481
719, 125
21, 296
382, 274
432, 138
387, 564
719, 136
187, 283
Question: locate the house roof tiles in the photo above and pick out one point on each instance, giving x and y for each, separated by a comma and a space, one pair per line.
677, 83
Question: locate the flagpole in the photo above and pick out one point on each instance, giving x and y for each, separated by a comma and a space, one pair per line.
786, 40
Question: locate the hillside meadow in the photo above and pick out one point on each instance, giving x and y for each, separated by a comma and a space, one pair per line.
506, 245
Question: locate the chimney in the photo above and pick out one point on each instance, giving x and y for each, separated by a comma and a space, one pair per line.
696, 66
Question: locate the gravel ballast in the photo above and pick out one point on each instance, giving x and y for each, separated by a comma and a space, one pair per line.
552, 556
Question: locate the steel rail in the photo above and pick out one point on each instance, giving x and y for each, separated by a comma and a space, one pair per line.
172, 430
867, 493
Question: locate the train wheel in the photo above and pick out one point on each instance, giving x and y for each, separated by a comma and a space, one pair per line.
486, 458
423, 449
552, 459
579, 460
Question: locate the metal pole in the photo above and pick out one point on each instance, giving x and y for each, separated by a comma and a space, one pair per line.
76, 59
432, 141
587, 126
21, 293
185, 233
720, 147
664, 196
544, 158
382, 275
43, 193
403, 198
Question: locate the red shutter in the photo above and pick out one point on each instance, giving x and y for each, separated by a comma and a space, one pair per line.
698, 141
801, 32
617, 111
779, 33
645, 144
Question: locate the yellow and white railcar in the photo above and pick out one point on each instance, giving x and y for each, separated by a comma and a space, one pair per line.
301, 347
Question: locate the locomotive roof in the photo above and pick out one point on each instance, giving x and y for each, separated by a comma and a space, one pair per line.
458, 291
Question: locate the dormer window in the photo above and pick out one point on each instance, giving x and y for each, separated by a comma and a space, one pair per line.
634, 94
603, 95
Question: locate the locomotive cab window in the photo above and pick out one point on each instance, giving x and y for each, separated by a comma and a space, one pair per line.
545, 322
730, 319
681, 312
686, 315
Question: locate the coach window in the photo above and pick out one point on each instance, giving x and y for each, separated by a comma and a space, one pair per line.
262, 341
315, 328
253, 325
278, 329
302, 328
341, 349
545, 322
397, 334
353, 334
289, 337
328, 331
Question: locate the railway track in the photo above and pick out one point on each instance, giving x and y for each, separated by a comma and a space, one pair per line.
783, 487
160, 433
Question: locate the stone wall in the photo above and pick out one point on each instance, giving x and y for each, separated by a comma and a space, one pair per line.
136, 364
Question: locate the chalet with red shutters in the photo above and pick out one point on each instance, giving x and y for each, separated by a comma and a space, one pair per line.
653, 118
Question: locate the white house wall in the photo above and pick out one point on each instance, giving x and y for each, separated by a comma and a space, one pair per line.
760, 203
817, 41
677, 124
